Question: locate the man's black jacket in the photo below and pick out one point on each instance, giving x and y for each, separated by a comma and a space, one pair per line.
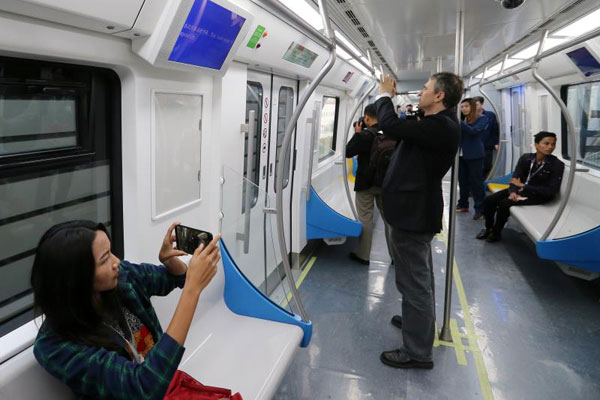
544, 184
360, 145
412, 189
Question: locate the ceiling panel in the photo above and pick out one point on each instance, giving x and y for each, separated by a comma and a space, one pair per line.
411, 34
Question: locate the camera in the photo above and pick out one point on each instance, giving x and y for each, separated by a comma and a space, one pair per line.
511, 4
360, 121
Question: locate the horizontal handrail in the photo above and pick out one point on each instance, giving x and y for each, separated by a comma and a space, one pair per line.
550, 52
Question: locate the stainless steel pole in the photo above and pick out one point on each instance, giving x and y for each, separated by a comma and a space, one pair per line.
458, 67
345, 144
500, 128
285, 149
572, 136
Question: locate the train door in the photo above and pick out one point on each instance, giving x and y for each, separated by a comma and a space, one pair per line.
283, 103
517, 126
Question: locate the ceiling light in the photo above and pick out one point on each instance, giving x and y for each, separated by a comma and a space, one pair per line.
360, 66
581, 26
343, 39
551, 42
511, 62
305, 11
342, 54
528, 52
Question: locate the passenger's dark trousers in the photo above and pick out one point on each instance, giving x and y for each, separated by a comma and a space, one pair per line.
496, 208
414, 279
470, 181
365, 204
487, 161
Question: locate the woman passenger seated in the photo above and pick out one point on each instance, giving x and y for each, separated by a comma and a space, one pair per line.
100, 334
536, 180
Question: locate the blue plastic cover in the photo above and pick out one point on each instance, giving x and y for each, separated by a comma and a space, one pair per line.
580, 250
504, 180
207, 35
323, 222
243, 298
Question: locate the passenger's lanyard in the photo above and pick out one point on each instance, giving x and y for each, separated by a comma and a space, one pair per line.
531, 175
131, 343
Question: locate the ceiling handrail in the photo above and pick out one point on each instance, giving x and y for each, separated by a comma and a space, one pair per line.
550, 52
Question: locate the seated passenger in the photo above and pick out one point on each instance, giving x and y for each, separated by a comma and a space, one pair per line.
100, 334
536, 180
474, 128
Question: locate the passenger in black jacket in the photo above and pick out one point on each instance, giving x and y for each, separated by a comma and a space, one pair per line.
413, 206
536, 180
367, 194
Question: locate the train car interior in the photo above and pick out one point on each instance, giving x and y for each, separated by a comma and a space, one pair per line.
234, 117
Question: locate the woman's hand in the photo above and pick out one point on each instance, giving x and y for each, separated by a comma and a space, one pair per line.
203, 265
167, 251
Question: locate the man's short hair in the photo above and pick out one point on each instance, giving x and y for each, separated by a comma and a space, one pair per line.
479, 99
370, 111
451, 85
543, 134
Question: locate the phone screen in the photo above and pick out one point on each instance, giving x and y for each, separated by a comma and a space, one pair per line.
188, 239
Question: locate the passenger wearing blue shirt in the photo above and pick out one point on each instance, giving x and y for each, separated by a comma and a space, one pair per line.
492, 139
470, 169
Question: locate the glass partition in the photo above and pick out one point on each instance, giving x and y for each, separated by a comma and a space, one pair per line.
251, 237
330, 187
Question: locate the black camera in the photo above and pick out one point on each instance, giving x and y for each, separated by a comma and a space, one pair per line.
360, 121
510, 4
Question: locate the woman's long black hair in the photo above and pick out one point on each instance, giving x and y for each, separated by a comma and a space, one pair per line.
62, 279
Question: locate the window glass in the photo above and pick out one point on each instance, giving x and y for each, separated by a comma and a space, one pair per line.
583, 102
31, 120
284, 114
328, 129
57, 165
254, 101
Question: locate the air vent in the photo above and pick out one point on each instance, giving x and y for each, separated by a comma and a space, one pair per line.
341, 1
572, 6
363, 31
371, 43
353, 18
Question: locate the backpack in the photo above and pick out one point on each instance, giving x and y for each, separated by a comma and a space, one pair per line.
380, 155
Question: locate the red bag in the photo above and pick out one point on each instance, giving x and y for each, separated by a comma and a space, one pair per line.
184, 387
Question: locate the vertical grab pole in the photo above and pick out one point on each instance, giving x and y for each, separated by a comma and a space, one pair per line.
458, 67
316, 123
572, 136
249, 188
285, 148
345, 144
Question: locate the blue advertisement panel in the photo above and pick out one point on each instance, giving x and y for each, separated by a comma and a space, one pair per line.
207, 35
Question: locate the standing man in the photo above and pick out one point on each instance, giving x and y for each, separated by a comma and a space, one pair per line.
490, 141
413, 206
368, 193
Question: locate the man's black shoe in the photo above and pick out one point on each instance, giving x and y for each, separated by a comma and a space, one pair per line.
478, 215
484, 233
358, 259
397, 321
399, 359
493, 237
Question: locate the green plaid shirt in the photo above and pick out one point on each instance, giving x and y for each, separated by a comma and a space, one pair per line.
94, 372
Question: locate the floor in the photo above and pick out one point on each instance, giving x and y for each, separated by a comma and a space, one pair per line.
521, 328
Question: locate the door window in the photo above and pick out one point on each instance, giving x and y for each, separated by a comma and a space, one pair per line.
254, 101
328, 131
284, 114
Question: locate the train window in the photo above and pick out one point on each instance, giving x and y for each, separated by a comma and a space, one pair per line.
583, 102
60, 159
284, 114
328, 131
254, 101
177, 139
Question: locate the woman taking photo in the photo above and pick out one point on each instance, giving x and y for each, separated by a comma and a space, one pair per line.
536, 180
470, 168
100, 334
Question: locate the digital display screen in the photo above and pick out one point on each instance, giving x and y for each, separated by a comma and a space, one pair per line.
207, 35
585, 61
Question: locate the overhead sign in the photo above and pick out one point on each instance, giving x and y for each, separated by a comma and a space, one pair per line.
300, 55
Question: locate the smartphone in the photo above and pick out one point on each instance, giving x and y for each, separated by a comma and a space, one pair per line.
188, 239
